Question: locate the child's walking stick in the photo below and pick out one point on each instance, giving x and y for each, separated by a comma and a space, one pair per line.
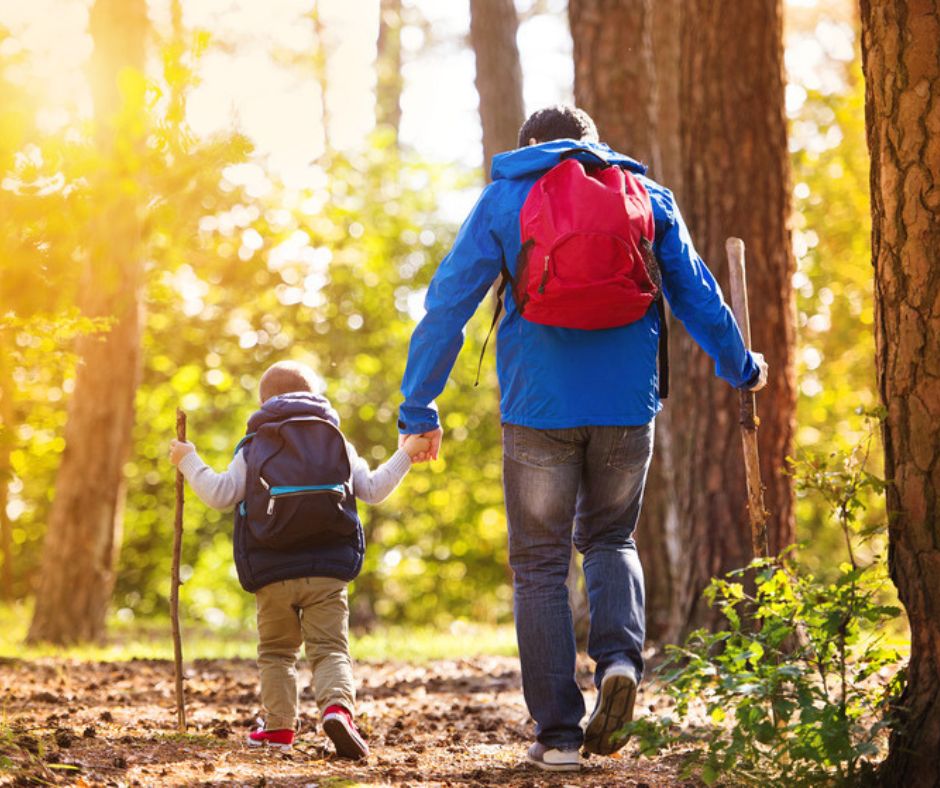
749, 420
175, 582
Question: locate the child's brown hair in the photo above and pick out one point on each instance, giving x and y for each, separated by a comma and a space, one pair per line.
286, 376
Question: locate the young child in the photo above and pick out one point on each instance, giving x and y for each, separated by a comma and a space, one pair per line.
298, 541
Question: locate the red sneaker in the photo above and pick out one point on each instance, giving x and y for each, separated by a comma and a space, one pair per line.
282, 739
339, 726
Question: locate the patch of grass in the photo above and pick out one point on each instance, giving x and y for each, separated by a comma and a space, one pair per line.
420, 644
152, 639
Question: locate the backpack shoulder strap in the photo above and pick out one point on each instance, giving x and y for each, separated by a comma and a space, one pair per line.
663, 346
242, 442
504, 278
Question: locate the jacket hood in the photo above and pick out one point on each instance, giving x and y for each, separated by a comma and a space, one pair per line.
535, 159
295, 403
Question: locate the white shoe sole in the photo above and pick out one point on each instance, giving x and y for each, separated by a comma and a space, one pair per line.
614, 709
554, 767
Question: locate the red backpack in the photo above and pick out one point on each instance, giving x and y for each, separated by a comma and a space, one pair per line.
587, 259
586, 249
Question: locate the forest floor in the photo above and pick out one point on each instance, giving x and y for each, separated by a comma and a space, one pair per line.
440, 723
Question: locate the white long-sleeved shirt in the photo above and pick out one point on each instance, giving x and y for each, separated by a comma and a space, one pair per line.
224, 490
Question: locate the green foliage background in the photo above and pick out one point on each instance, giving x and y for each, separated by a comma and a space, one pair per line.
243, 270
835, 304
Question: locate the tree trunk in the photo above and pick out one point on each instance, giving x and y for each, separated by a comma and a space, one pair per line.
493, 28
902, 75
615, 73
388, 64
736, 179
667, 25
84, 531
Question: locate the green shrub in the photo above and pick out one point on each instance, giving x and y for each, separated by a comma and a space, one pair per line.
793, 690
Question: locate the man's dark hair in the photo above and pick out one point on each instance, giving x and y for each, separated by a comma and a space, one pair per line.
558, 122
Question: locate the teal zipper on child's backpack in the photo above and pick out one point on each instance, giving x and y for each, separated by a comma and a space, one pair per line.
300, 489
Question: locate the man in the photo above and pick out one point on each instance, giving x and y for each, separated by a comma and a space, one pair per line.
577, 408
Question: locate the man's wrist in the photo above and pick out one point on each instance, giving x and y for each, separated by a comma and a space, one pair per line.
417, 419
418, 428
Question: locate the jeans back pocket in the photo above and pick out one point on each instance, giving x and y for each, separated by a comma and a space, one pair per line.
541, 448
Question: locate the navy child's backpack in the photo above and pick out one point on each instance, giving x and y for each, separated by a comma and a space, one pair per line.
299, 514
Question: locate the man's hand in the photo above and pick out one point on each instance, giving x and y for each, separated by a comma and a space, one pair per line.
434, 438
762, 372
179, 449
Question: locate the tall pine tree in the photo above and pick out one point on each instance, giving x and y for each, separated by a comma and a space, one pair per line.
902, 85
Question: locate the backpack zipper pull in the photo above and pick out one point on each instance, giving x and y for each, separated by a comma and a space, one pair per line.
544, 276
271, 505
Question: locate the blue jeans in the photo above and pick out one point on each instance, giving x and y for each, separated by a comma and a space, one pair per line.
587, 481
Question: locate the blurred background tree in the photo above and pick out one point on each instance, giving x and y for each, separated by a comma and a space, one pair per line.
83, 539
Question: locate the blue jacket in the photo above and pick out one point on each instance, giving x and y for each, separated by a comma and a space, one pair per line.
560, 377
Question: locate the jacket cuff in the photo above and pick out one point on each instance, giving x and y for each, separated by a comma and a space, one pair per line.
414, 420
751, 373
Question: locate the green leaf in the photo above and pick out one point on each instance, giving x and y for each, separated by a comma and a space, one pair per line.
709, 774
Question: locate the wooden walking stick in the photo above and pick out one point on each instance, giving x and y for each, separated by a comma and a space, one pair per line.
175, 582
749, 420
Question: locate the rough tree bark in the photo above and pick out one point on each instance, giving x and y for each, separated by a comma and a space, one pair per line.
388, 63
84, 530
667, 24
736, 182
493, 28
902, 76
614, 71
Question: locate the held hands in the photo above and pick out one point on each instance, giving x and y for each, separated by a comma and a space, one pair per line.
415, 446
762, 372
430, 448
179, 449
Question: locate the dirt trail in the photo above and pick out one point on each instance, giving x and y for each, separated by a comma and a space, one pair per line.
446, 723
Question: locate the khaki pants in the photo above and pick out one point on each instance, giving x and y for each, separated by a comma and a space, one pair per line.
313, 611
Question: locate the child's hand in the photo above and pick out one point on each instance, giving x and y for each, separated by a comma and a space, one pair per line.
179, 449
415, 445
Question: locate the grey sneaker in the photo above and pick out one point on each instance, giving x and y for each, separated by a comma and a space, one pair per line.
613, 710
552, 760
